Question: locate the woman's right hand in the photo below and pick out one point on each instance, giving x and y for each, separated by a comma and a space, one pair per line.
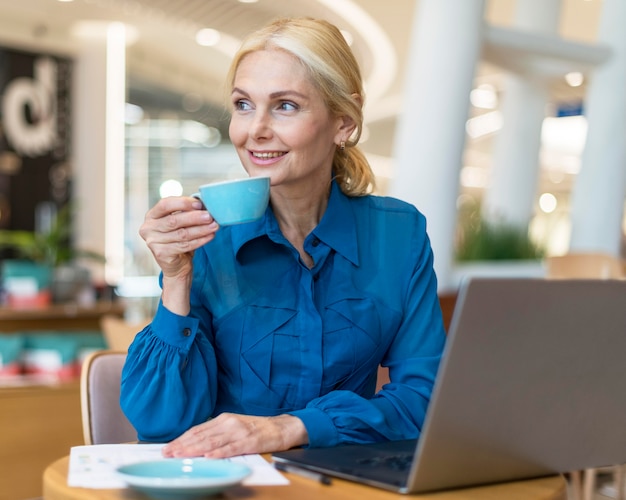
173, 229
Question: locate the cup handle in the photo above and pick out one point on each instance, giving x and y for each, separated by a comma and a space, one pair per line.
197, 197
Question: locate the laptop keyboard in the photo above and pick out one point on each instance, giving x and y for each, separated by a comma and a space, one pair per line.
397, 462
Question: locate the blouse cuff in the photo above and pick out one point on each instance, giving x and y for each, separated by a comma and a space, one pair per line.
319, 426
173, 329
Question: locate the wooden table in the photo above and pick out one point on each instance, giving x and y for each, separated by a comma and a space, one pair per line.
550, 488
58, 317
38, 423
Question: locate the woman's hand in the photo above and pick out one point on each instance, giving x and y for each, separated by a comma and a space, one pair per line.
231, 434
173, 229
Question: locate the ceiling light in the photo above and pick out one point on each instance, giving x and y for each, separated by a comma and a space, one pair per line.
484, 124
133, 114
384, 67
475, 177
248, 1
170, 187
208, 37
566, 135
574, 79
547, 203
484, 96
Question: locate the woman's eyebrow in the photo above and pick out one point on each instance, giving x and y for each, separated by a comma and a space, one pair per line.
284, 93
237, 90
273, 95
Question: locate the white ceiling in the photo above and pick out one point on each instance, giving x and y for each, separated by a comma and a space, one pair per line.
164, 55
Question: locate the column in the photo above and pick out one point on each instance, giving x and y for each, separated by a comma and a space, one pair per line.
430, 139
511, 193
599, 190
98, 145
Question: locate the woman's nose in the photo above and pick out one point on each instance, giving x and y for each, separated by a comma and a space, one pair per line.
260, 128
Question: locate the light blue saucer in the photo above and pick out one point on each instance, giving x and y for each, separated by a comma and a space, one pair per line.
184, 478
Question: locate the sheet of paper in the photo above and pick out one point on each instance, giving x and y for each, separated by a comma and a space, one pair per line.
94, 466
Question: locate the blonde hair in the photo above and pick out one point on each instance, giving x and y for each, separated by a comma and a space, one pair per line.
323, 51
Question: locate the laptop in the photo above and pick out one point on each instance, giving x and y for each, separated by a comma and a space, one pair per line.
532, 383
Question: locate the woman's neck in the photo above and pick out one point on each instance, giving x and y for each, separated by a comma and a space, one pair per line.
299, 213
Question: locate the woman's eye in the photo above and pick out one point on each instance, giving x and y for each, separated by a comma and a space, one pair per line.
242, 105
288, 106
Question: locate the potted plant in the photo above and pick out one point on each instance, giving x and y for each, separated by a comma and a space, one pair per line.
486, 240
50, 256
487, 247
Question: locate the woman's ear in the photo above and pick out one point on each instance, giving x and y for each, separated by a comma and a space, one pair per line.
346, 124
346, 128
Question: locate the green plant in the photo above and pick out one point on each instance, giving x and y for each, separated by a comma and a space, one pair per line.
482, 239
497, 241
53, 247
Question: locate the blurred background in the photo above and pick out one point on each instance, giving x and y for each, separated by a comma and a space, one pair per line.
475, 111
503, 121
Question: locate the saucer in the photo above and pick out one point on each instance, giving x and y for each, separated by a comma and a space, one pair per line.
184, 478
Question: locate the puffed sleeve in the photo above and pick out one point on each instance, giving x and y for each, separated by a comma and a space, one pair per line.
169, 379
398, 410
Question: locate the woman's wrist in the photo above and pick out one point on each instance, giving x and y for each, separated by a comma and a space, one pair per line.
176, 293
292, 430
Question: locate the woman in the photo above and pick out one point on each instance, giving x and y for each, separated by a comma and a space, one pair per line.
269, 334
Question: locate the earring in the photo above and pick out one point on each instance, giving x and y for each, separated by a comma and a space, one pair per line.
342, 145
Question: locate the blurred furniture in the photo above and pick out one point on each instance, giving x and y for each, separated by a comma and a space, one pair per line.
447, 302
589, 265
40, 416
38, 424
584, 265
548, 488
58, 317
102, 418
118, 332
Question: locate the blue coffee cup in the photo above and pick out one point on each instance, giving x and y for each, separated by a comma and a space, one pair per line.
236, 201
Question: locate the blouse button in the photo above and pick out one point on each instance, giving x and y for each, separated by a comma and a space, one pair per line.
315, 242
186, 332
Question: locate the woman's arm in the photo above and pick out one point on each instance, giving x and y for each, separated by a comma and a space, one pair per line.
398, 410
169, 381
169, 378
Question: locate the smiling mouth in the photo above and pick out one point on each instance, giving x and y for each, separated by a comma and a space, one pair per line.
265, 156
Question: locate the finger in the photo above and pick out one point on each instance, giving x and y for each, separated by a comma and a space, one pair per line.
194, 443
183, 235
232, 449
181, 227
173, 204
167, 254
209, 436
178, 220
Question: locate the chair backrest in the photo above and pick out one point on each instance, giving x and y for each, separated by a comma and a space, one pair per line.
592, 265
102, 417
118, 332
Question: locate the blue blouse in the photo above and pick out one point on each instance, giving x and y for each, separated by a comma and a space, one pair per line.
266, 335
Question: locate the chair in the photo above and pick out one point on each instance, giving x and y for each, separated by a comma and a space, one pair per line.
588, 265
118, 332
102, 417
583, 265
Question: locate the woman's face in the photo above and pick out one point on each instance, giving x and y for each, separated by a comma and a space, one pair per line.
280, 124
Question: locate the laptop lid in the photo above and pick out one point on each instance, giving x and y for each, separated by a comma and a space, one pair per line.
532, 382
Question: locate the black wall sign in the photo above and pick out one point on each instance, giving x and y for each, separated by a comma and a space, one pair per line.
35, 130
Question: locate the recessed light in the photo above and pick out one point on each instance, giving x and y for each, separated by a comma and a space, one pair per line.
574, 79
208, 37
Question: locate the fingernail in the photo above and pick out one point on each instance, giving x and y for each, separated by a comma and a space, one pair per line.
197, 205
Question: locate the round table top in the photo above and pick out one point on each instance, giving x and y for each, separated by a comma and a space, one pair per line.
549, 488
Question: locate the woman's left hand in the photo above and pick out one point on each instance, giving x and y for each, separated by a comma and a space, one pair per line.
230, 434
